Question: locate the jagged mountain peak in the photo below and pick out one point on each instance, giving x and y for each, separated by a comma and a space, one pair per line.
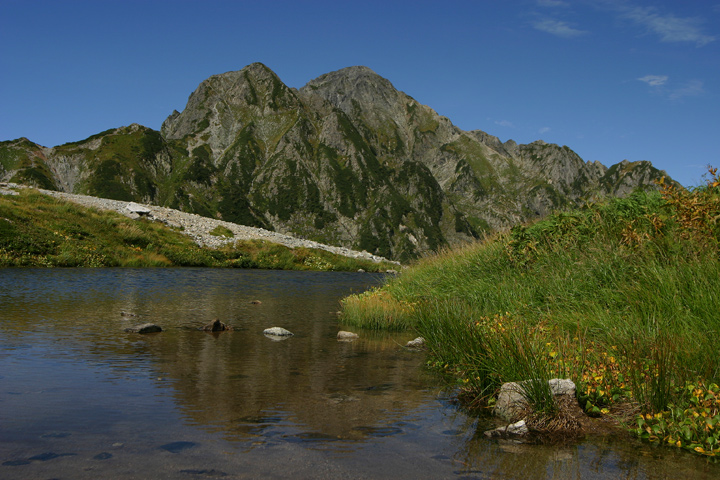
225, 104
356, 88
349, 75
347, 159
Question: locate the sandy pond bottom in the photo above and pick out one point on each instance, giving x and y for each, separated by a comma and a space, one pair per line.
82, 399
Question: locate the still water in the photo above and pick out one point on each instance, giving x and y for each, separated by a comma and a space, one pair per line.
82, 399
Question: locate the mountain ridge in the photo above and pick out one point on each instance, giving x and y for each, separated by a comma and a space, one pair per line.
347, 159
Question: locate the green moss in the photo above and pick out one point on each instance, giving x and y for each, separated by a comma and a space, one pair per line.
221, 231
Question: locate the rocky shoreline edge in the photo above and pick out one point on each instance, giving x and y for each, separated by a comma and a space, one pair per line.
196, 227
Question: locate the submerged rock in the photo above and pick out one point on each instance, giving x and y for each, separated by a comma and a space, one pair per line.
344, 336
277, 332
177, 447
144, 328
514, 429
216, 326
419, 342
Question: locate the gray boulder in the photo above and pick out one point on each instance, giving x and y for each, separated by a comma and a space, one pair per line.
277, 332
562, 386
512, 404
133, 207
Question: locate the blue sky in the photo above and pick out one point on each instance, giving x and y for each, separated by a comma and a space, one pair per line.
611, 79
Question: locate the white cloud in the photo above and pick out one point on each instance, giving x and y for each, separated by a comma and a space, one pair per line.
504, 123
654, 80
692, 88
669, 27
558, 28
544, 130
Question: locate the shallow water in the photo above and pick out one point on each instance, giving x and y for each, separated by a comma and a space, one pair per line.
82, 399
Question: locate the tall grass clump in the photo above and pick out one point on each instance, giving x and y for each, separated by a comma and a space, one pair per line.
621, 295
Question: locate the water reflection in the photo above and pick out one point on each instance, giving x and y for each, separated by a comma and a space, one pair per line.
74, 387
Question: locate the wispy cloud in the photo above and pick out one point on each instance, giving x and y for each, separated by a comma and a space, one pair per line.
558, 28
504, 123
544, 130
660, 85
693, 88
669, 27
654, 80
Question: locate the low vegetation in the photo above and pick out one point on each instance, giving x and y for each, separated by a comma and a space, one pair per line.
41, 231
622, 297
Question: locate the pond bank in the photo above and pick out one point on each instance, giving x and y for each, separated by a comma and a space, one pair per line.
621, 297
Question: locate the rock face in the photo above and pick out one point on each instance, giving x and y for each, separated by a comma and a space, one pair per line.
346, 160
144, 328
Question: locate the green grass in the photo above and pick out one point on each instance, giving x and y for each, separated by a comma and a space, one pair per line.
621, 296
41, 231
221, 231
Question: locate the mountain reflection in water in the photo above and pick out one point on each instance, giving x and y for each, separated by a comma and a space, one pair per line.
82, 398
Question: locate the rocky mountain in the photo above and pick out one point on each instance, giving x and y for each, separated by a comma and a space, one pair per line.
345, 160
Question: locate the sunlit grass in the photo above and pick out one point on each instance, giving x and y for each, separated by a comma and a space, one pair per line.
41, 231
621, 296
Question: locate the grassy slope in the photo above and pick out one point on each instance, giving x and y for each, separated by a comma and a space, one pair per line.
38, 230
622, 297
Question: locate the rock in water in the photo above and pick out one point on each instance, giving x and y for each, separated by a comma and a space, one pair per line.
517, 429
419, 342
144, 328
344, 336
277, 332
216, 326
